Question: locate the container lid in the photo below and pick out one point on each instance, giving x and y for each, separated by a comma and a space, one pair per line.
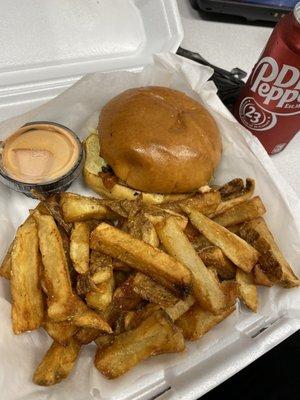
47, 45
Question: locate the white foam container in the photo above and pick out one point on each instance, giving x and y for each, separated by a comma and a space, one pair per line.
48, 45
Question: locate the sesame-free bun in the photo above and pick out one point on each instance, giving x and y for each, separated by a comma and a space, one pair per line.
159, 140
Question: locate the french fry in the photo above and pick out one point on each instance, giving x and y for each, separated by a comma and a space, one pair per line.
57, 363
101, 297
236, 249
133, 319
206, 203
231, 189
151, 291
84, 317
213, 257
201, 242
155, 335
247, 289
242, 212
104, 341
245, 194
80, 248
196, 321
260, 277
230, 289
206, 288
157, 214
5, 268
179, 308
86, 335
142, 257
124, 297
271, 260
27, 297
77, 208
60, 332
56, 276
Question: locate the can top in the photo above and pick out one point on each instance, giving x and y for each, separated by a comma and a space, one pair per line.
297, 12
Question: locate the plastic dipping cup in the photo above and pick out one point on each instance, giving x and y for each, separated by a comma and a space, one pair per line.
40, 156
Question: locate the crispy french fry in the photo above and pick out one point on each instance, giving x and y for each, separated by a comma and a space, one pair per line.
86, 335
102, 275
133, 319
151, 291
155, 335
245, 194
247, 289
84, 317
76, 208
142, 257
231, 189
260, 277
80, 247
181, 307
236, 249
206, 202
101, 298
196, 321
57, 363
272, 261
60, 332
206, 288
213, 257
124, 297
230, 289
158, 214
149, 234
241, 212
104, 341
56, 272
5, 268
27, 297
201, 242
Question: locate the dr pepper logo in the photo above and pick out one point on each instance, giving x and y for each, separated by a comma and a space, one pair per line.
276, 91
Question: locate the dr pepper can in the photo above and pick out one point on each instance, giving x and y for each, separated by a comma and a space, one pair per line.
269, 104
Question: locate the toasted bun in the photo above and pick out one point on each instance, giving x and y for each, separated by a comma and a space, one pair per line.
159, 140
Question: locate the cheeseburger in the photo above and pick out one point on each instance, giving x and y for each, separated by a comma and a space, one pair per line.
156, 140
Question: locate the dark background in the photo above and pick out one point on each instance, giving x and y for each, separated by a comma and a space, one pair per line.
274, 376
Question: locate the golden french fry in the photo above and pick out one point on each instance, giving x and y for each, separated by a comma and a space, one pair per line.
5, 268
86, 335
133, 319
179, 308
206, 203
56, 276
57, 363
232, 189
149, 234
80, 247
124, 297
196, 321
84, 317
155, 335
60, 332
104, 341
206, 288
230, 289
242, 212
260, 277
236, 249
201, 242
151, 291
158, 214
245, 194
142, 257
271, 260
76, 208
213, 257
247, 289
93, 166
102, 274
101, 298
27, 297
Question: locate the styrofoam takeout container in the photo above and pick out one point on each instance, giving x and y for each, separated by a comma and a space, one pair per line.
57, 42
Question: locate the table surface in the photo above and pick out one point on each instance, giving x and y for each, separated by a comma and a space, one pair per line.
229, 45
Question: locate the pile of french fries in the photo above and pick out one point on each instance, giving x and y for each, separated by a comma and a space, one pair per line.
137, 279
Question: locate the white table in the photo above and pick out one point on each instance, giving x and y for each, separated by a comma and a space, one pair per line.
229, 45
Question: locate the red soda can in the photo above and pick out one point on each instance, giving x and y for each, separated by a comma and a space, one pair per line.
269, 104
